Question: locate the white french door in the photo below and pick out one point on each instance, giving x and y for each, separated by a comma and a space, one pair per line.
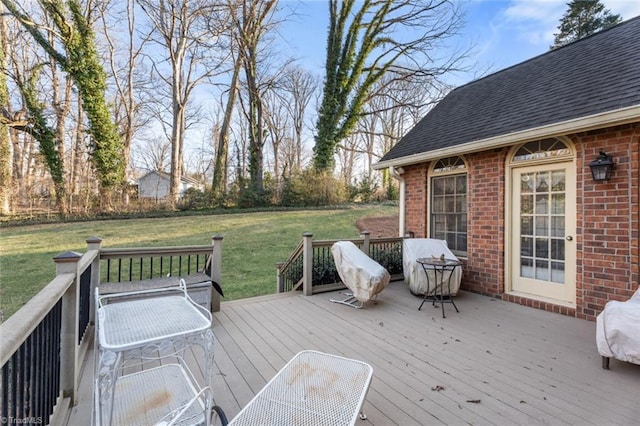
543, 252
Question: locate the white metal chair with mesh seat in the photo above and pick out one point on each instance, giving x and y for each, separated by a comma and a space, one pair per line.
313, 388
142, 331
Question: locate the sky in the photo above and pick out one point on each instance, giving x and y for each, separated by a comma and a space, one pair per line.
502, 32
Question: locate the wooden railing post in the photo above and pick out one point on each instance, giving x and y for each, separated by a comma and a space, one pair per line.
367, 239
307, 264
216, 271
69, 364
279, 278
94, 243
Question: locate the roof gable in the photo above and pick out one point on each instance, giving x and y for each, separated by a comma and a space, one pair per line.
597, 74
167, 176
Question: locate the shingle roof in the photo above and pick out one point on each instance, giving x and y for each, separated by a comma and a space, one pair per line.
597, 74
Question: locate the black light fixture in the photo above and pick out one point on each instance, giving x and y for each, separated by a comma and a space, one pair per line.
601, 167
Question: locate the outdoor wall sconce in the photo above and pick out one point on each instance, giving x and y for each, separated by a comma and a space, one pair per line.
601, 167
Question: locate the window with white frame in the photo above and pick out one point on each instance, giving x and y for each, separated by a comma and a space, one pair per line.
448, 215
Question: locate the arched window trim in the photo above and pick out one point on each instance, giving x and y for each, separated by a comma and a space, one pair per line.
542, 150
450, 165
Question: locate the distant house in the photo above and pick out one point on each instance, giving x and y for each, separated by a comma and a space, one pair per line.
155, 185
500, 169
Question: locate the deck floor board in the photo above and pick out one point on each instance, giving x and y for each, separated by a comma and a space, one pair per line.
493, 363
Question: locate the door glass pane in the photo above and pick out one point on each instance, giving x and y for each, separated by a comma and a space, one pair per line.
557, 249
526, 268
557, 272
557, 226
542, 270
557, 181
542, 248
542, 182
557, 203
526, 183
542, 225
526, 204
526, 246
542, 203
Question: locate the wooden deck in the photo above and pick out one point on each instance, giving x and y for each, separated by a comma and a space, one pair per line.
493, 363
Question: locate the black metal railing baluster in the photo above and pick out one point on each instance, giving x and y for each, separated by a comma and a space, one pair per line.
29, 345
85, 302
4, 391
38, 338
20, 402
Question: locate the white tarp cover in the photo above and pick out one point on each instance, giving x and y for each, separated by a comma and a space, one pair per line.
415, 248
362, 275
618, 330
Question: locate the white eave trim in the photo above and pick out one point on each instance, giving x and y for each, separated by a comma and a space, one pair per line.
583, 124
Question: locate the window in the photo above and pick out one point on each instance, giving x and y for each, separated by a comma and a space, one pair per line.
546, 148
449, 203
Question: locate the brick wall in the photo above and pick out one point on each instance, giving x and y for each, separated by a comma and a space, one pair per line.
607, 216
608, 219
485, 222
415, 178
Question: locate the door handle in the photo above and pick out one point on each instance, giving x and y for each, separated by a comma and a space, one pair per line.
569, 238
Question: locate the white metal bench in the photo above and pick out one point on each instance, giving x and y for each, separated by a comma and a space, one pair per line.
314, 388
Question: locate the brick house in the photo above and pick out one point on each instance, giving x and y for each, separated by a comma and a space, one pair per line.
500, 169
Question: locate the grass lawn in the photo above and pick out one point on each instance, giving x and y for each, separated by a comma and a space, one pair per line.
253, 244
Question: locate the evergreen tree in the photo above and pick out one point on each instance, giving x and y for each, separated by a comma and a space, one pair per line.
583, 18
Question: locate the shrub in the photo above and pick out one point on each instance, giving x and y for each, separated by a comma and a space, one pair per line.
312, 188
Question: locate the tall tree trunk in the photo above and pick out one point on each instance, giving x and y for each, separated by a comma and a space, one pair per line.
177, 141
77, 157
220, 178
62, 106
5, 150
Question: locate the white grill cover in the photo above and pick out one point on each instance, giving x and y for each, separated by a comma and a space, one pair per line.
362, 275
618, 330
415, 248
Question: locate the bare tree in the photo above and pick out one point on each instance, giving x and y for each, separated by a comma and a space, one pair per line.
252, 22
155, 154
185, 29
123, 55
298, 86
277, 123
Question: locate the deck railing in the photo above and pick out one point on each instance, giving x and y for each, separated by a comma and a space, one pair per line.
44, 344
310, 266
